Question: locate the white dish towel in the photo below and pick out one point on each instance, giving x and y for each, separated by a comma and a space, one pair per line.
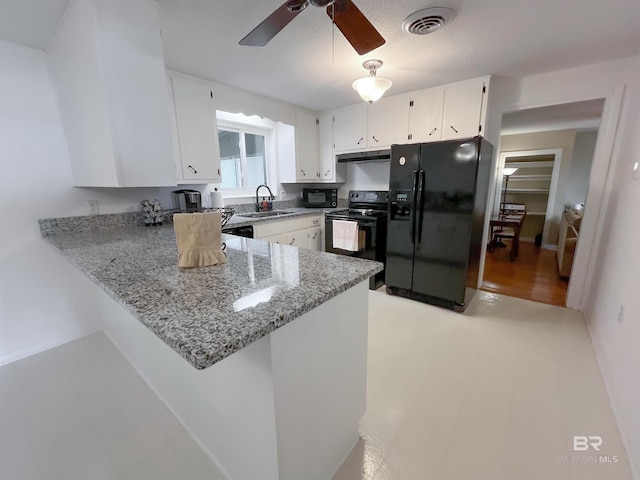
345, 235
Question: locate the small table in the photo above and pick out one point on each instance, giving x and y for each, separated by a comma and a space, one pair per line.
512, 220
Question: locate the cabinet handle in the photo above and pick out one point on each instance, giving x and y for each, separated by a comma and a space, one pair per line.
318, 174
434, 130
303, 173
192, 169
292, 241
361, 139
374, 138
453, 128
218, 171
314, 236
327, 173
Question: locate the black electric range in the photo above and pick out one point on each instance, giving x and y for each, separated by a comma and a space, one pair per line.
368, 208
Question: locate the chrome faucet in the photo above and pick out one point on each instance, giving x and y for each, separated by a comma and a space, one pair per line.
259, 207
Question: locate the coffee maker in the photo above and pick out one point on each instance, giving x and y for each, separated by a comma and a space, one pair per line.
187, 201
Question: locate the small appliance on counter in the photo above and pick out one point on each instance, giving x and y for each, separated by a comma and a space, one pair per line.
320, 197
187, 201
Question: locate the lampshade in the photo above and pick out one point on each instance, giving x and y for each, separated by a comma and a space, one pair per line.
509, 171
371, 88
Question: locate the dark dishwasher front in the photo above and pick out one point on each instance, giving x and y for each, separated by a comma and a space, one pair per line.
244, 231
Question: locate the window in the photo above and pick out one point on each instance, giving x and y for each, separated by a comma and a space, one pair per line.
247, 151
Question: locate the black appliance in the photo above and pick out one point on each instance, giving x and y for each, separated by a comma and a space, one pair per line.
187, 200
368, 156
437, 201
320, 197
369, 210
244, 231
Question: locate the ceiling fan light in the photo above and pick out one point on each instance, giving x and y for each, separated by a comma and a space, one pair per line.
371, 88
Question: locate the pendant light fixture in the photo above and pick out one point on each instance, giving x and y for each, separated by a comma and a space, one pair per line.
371, 88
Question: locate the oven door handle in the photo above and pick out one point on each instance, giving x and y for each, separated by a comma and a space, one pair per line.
361, 223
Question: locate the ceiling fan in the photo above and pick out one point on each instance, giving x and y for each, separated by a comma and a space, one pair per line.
359, 31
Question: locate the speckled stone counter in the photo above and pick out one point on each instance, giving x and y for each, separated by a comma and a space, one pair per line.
206, 314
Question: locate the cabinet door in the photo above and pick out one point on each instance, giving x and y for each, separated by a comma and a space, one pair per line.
425, 115
388, 122
461, 117
350, 128
326, 157
315, 239
306, 147
277, 238
298, 238
197, 131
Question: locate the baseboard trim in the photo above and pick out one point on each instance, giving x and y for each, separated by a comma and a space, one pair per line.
605, 373
41, 347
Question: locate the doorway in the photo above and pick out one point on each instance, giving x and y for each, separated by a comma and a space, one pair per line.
539, 149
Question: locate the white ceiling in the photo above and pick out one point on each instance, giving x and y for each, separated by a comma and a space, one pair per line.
306, 64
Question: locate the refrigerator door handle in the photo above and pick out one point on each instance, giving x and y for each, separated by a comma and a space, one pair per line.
421, 203
414, 206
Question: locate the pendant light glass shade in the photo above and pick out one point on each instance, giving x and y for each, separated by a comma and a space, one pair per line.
371, 88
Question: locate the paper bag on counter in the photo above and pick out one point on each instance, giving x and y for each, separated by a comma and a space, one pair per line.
198, 238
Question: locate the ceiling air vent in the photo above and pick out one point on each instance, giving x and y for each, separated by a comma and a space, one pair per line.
427, 20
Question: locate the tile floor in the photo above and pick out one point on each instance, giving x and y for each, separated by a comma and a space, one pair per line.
496, 393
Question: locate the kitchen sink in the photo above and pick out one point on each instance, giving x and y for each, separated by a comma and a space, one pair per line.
272, 213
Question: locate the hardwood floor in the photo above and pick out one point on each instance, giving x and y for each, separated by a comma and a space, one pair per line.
532, 276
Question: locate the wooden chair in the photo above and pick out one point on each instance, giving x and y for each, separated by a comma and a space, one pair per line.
503, 232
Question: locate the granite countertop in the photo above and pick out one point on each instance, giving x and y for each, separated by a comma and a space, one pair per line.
206, 314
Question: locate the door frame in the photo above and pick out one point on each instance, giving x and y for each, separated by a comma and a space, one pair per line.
555, 173
600, 187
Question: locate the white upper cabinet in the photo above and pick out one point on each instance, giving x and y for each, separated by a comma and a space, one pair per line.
108, 69
350, 128
306, 147
464, 109
425, 115
197, 131
314, 160
330, 171
388, 122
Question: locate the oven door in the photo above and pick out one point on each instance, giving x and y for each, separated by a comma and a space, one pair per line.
367, 233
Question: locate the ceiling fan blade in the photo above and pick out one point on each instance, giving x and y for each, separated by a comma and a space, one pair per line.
271, 25
358, 31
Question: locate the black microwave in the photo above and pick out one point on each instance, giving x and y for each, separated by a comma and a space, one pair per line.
320, 197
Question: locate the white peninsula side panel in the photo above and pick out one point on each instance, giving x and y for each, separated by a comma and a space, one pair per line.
285, 407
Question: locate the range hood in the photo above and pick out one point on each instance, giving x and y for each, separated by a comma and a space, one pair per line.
369, 156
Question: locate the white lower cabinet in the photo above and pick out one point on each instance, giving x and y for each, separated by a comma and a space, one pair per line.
315, 239
301, 232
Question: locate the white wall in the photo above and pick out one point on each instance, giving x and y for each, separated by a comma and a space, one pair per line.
617, 279
42, 299
616, 260
365, 176
577, 184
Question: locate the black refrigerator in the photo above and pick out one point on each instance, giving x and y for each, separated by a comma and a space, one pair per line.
437, 201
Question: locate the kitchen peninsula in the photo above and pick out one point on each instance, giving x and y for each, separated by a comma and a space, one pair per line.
274, 381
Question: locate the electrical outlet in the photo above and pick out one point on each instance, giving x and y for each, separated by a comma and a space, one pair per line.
94, 207
621, 314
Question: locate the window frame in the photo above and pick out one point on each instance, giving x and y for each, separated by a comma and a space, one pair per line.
250, 125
